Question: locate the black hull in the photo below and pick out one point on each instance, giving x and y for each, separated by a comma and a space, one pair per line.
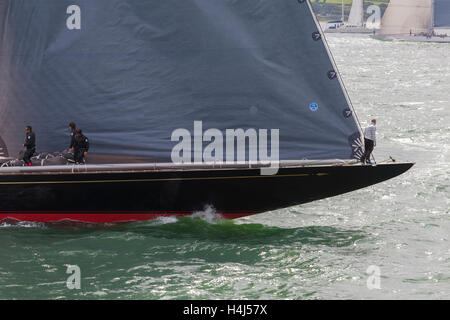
142, 195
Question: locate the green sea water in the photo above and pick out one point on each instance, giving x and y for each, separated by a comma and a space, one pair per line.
322, 250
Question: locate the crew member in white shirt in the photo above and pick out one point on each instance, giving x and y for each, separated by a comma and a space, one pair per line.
370, 141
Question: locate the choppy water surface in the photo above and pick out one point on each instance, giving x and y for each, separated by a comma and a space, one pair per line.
315, 251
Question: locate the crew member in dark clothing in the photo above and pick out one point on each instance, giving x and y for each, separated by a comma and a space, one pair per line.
72, 128
80, 146
29, 144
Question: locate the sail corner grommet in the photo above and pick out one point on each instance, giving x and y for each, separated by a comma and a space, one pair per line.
347, 113
332, 74
316, 36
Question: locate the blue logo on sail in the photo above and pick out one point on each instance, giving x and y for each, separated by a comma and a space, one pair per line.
314, 107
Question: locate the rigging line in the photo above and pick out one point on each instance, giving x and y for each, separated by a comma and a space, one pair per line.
432, 22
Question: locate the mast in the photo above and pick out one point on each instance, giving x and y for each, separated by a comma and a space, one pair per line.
343, 11
432, 18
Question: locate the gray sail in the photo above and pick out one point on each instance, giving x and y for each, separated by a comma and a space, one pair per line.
130, 72
441, 13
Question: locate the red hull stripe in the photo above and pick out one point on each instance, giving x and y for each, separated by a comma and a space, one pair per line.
96, 217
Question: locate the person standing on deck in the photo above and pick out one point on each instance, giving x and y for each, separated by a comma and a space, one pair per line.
72, 128
29, 144
370, 141
80, 146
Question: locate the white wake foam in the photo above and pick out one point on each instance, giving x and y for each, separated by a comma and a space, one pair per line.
209, 214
